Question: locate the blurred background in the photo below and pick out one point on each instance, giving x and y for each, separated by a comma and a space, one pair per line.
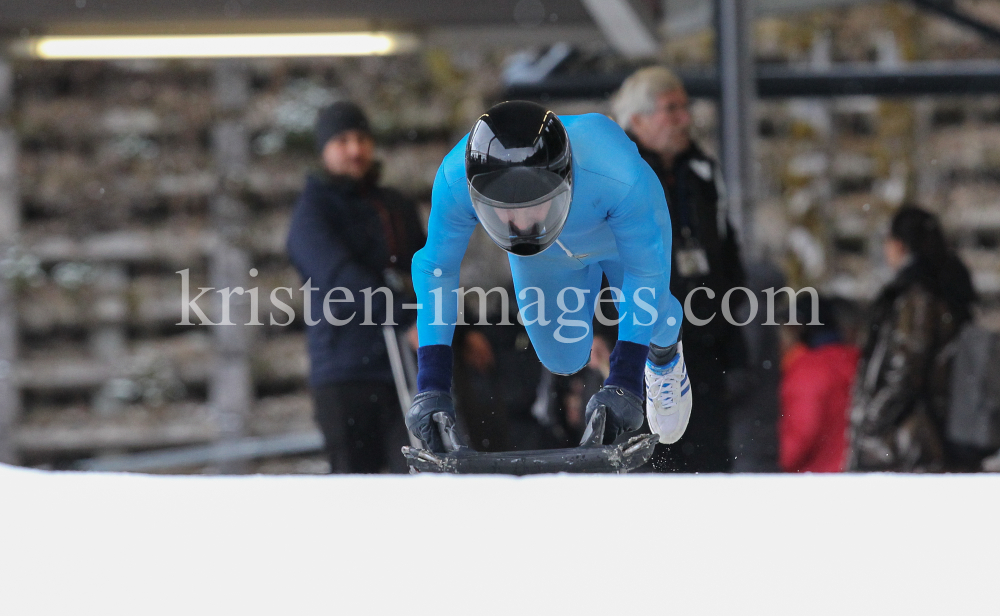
115, 174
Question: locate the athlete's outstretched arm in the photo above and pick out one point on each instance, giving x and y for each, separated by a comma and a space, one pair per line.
638, 223
436, 266
641, 225
435, 278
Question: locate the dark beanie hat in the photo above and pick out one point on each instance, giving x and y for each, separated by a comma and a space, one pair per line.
337, 118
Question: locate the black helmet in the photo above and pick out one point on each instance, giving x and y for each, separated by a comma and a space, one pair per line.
519, 167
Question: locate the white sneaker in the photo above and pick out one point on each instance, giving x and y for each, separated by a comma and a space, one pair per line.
668, 398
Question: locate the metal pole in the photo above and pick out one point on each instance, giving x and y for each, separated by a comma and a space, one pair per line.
10, 222
953, 78
738, 91
231, 390
248, 448
399, 376
948, 10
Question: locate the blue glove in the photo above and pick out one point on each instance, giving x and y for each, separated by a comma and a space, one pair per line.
420, 418
623, 413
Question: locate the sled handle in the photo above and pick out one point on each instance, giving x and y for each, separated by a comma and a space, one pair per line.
593, 436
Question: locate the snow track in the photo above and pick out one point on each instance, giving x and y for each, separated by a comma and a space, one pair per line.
80, 543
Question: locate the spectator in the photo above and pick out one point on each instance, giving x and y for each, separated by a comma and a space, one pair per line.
817, 375
901, 395
652, 107
754, 392
349, 233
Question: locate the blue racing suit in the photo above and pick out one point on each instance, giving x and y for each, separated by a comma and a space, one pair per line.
618, 224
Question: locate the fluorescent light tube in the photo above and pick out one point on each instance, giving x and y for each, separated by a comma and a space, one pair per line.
215, 46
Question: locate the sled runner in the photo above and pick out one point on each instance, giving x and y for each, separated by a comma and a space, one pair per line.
589, 457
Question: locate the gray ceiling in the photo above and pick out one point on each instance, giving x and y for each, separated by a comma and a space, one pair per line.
43, 15
459, 23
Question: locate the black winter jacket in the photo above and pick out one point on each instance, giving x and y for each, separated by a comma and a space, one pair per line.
899, 409
347, 233
692, 188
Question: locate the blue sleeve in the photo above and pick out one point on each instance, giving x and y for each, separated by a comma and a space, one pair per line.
644, 250
436, 266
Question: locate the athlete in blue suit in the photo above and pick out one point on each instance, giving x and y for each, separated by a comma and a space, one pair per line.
569, 199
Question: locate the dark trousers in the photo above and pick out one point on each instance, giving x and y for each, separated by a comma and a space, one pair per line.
362, 426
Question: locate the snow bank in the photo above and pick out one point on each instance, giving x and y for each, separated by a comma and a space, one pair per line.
74, 543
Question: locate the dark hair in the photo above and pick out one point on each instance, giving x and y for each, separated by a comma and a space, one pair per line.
828, 329
920, 231
934, 263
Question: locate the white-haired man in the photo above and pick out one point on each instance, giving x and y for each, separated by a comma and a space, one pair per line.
652, 107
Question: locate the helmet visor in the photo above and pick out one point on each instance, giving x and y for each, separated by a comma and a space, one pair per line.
527, 227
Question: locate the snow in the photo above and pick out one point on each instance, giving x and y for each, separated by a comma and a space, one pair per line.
78, 543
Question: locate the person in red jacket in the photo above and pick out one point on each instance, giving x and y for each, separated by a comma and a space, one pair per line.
817, 374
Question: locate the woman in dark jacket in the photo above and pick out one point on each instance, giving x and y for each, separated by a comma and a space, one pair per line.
901, 390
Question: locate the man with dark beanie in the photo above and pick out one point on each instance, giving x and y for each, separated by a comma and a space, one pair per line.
347, 235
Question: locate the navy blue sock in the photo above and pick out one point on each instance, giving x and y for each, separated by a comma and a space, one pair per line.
628, 364
434, 368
